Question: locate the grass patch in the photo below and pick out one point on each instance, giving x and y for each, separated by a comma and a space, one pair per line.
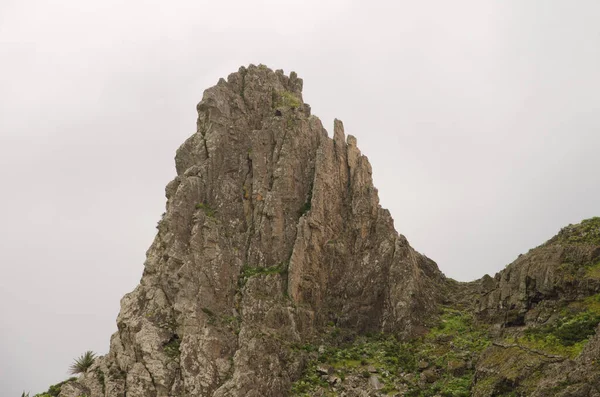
249, 271
567, 335
593, 271
399, 365
287, 99
309, 382
308, 203
172, 347
208, 312
206, 209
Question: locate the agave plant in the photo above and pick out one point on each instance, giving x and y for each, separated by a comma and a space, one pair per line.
83, 363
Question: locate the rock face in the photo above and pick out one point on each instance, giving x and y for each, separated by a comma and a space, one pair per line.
272, 230
531, 288
541, 310
273, 244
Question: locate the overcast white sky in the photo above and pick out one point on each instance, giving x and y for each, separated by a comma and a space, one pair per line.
481, 120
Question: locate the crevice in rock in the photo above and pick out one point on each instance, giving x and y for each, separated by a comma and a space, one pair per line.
243, 72
155, 391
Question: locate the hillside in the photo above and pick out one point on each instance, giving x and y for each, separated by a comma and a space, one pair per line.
532, 330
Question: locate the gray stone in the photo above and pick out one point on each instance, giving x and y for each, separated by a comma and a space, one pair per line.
271, 227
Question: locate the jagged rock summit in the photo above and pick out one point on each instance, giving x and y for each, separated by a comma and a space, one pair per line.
272, 231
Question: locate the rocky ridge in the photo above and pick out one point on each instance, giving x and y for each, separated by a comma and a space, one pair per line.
276, 272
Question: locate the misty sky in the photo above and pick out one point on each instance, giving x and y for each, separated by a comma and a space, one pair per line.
481, 120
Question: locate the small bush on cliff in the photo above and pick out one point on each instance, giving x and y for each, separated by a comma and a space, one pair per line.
249, 271
578, 328
288, 100
173, 347
83, 363
207, 210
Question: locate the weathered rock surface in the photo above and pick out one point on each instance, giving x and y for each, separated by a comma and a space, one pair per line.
533, 286
578, 377
554, 289
272, 229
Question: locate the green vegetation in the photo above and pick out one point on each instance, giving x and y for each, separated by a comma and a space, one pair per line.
101, 379
573, 273
309, 382
308, 203
291, 122
208, 312
593, 271
586, 232
83, 363
286, 99
436, 364
212, 318
249, 271
207, 210
305, 208
53, 391
567, 335
172, 347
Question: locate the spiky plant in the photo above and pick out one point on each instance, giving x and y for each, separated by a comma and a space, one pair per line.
83, 363
24, 394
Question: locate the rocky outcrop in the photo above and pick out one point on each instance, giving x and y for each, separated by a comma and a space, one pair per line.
272, 230
531, 288
578, 377
541, 310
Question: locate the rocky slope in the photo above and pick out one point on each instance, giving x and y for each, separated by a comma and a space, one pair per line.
532, 330
543, 308
276, 272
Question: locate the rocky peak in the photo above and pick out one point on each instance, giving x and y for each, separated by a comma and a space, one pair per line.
272, 230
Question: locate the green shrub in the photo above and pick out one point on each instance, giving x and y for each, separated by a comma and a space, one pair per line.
569, 330
250, 271
172, 347
308, 203
207, 210
287, 99
578, 328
